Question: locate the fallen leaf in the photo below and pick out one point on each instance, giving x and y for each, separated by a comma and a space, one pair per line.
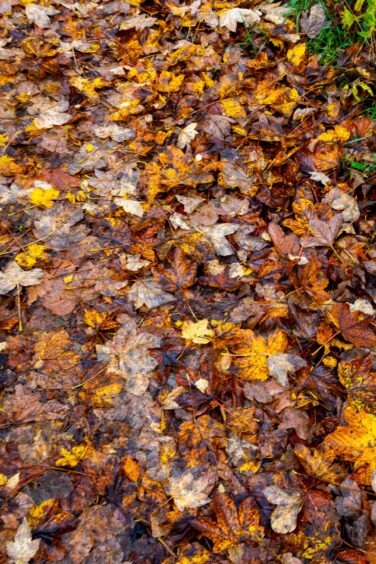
355, 443
198, 332
13, 276
313, 21
190, 491
281, 365
149, 293
23, 548
231, 18
187, 135
284, 517
39, 15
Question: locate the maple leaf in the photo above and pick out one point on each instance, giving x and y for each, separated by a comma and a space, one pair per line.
187, 135
355, 443
313, 21
190, 491
319, 464
39, 15
149, 293
198, 332
323, 233
72, 457
280, 365
13, 276
353, 325
231, 18
233, 525
314, 281
256, 349
44, 197
360, 382
52, 115
217, 237
23, 548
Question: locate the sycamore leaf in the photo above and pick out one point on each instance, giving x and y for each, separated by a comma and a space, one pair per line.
280, 365
284, 517
217, 237
199, 332
44, 197
130, 206
23, 548
189, 491
355, 443
53, 115
253, 354
187, 135
235, 523
149, 293
231, 18
71, 457
313, 21
14, 276
323, 233
353, 325
319, 464
39, 15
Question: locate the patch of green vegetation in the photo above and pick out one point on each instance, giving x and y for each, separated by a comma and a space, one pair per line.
348, 22
371, 112
326, 45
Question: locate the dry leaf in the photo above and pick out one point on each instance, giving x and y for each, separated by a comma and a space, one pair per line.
13, 276
231, 18
187, 135
23, 548
189, 491
285, 515
198, 332
149, 293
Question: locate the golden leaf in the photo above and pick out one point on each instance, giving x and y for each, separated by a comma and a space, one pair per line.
252, 355
199, 332
355, 443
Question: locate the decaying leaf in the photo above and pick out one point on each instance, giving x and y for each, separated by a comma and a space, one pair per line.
231, 18
198, 332
23, 548
13, 276
189, 491
149, 293
284, 517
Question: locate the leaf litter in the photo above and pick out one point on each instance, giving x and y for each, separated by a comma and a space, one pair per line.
187, 313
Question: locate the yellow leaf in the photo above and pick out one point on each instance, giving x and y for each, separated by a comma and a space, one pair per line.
252, 356
3, 139
93, 318
8, 167
233, 108
104, 394
30, 256
44, 198
71, 457
198, 333
338, 134
131, 469
37, 512
296, 54
356, 442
